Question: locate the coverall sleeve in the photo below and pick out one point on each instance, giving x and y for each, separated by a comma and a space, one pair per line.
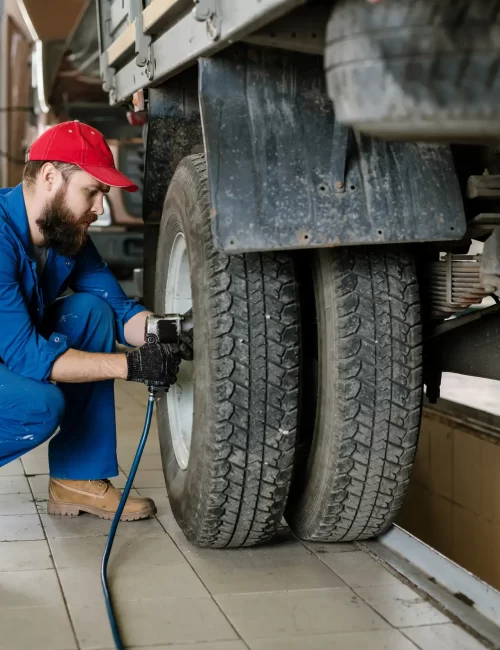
22, 348
92, 275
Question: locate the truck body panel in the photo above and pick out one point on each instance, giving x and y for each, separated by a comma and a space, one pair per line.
178, 44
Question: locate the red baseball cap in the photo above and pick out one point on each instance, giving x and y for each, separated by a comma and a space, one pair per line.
82, 145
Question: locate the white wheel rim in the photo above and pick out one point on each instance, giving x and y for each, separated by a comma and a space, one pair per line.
180, 397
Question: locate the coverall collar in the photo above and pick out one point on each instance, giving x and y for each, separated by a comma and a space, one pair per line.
18, 217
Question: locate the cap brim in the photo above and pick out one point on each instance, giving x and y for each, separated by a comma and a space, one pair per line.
111, 177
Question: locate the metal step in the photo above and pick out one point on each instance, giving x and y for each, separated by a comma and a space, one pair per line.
466, 599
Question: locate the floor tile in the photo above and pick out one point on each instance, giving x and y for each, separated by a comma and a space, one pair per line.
17, 504
79, 552
130, 417
39, 484
87, 525
30, 589
130, 425
19, 528
372, 640
160, 497
305, 613
151, 622
129, 434
138, 392
283, 566
41, 505
219, 645
36, 462
174, 620
148, 462
127, 401
91, 625
320, 548
149, 478
133, 582
14, 485
83, 526
25, 556
48, 629
358, 569
168, 522
401, 606
15, 468
127, 448
442, 637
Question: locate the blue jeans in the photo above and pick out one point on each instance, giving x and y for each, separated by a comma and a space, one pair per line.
30, 411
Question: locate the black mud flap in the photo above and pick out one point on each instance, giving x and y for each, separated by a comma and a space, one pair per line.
284, 174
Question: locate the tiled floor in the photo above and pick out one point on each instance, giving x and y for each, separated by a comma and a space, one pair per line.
285, 596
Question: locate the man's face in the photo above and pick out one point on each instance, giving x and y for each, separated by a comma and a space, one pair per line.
74, 204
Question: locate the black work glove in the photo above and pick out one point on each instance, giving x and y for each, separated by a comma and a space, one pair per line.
186, 345
154, 363
186, 340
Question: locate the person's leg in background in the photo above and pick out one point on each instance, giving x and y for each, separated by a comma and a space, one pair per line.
85, 447
82, 456
30, 412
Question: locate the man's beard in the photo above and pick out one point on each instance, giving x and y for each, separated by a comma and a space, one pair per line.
60, 227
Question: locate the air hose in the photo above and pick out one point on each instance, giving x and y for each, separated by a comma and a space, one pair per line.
109, 545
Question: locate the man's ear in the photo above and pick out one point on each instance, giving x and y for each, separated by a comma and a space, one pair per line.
48, 176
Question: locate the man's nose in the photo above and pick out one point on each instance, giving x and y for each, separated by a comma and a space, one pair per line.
98, 207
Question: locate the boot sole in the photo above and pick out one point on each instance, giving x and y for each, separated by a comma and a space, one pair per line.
72, 510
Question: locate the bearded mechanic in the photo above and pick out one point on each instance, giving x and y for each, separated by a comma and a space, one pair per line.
58, 353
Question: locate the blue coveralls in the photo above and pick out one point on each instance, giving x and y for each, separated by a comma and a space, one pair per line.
36, 327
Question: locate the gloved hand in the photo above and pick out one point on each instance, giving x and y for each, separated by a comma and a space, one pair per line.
186, 345
186, 339
154, 363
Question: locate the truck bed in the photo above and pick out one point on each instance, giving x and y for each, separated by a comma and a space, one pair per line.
140, 49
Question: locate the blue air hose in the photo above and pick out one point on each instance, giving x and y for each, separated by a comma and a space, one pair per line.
104, 568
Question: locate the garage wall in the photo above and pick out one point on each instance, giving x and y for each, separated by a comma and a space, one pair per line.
453, 502
15, 43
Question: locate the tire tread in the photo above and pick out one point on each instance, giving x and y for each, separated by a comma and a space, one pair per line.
256, 351
378, 348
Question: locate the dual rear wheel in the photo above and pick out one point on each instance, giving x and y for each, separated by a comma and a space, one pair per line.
245, 438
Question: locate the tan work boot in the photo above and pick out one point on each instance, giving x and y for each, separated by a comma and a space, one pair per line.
100, 498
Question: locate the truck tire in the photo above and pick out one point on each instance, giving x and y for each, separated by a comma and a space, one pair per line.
415, 69
350, 483
228, 461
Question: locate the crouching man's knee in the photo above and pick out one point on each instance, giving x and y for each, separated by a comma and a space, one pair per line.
87, 320
46, 412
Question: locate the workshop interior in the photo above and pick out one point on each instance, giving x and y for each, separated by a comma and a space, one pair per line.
319, 208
